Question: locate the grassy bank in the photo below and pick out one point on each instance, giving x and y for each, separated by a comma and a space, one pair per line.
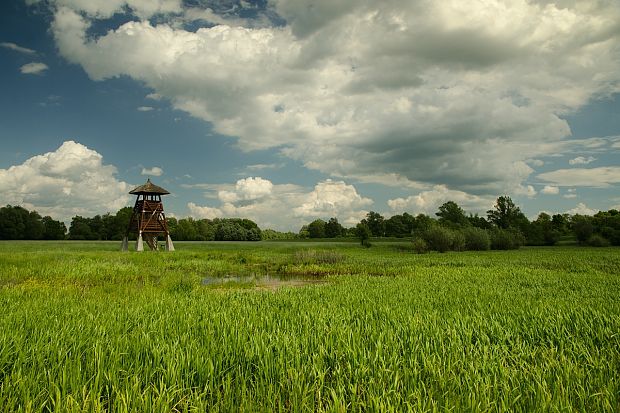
84, 327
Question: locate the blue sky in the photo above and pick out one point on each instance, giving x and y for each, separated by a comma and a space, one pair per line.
287, 111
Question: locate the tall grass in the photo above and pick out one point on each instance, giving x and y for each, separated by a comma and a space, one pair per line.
92, 329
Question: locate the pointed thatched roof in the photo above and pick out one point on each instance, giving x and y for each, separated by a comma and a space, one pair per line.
149, 188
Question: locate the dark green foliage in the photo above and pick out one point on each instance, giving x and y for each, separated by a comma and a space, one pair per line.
236, 229
458, 240
363, 234
476, 239
419, 246
423, 222
479, 222
271, 234
506, 239
19, 223
542, 232
400, 226
333, 229
438, 238
376, 224
582, 227
598, 241
316, 229
452, 215
506, 214
53, 230
80, 229
607, 224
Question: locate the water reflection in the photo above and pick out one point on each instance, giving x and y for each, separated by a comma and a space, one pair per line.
261, 282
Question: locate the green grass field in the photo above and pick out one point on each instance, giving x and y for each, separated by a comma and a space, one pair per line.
84, 327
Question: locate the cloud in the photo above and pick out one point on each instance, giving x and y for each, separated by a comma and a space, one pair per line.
570, 193
283, 206
550, 190
103, 9
145, 108
154, 96
72, 180
428, 202
20, 49
154, 171
262, 166
329, 198
582, 209
454, 93
204, 212
581, 160
248, 189
34, 68
592, 177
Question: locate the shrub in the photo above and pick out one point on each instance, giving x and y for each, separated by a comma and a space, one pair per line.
458, 241
598, 241
420, 246
506, 239
363, 234
476, 239
438, 238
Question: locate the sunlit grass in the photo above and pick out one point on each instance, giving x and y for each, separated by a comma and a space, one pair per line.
84, 327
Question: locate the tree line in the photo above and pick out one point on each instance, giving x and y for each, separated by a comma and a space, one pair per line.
504, 227
17, 223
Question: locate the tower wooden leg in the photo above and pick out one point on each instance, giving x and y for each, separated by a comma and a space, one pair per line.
139, 243
124, 245
169, 244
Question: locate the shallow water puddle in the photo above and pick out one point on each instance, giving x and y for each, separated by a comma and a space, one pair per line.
261, 282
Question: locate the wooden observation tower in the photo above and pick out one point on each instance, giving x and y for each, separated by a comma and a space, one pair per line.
148, 220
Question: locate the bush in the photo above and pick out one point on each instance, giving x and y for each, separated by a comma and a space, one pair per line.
598, 241
458, 241
476, 239
438, 238
420, 246
506, 239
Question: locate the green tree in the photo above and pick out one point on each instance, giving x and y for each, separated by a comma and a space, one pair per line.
506, 214
333, 228
55, 230
363, 233
80, 229
399, 225
12, 225
452, 215
185, 230
478, 221
316, 229
582, 227
376, 223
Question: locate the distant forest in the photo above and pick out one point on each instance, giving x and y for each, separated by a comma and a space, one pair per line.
504, 227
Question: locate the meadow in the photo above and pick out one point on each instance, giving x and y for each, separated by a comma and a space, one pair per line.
86, 328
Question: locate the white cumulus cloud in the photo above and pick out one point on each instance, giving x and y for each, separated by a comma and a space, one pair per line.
447, 92
594, 177
582, 209
582, 160
72, 180
154, 171
283, 206
550, 190
34, 68
428, 202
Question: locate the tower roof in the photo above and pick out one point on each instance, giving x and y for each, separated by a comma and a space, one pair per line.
149, 188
